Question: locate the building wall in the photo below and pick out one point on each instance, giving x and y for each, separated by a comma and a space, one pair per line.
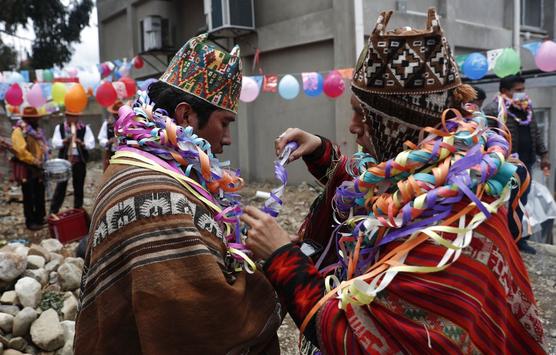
309, 35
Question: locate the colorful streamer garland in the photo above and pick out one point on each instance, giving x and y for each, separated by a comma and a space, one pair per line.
504, 104
148, 138
413, 196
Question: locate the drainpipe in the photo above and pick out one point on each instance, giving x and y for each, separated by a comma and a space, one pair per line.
359, 27
517, 24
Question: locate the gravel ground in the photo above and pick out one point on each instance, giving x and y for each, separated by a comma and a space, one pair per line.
297, 199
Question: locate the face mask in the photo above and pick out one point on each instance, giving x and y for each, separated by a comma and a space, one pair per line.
519, 96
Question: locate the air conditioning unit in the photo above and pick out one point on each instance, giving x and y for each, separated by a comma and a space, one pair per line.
230, 18
156, 33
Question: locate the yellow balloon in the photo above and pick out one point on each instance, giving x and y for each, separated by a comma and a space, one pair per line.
58, 93
76, 99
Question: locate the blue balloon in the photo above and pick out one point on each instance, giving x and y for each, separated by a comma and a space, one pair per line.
288, 87
475, 66
3, 88
312, 84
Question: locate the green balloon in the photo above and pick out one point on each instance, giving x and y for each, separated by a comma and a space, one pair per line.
47, 76
507, 63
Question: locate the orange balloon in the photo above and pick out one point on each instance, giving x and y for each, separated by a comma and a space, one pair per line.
76, 99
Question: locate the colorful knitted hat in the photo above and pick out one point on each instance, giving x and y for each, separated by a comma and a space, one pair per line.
402, 79
203, 70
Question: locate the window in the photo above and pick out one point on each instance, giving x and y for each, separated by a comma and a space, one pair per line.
532, 13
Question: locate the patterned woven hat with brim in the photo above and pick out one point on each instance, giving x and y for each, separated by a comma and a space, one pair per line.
404, 79
201, 69
30, 112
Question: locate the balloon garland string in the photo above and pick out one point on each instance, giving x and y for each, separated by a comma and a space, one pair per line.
411, 198
148, 138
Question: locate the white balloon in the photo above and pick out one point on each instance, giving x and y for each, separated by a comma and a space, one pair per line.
249, 89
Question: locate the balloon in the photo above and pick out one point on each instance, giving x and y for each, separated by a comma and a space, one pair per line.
72, 72
546, 56
249, 89
14, 95
312, 84
288, 87
130, 86
144, 85
47, 75
58, 93
76, 99
475, 66
334, 85
89, 79
507, 63
124, 69
105, 70
106, 95
35, 97
15, 77
138, 62
3, 90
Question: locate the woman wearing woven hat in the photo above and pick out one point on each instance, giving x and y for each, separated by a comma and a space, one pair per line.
165, 271
31, 151
418, 257
106, 137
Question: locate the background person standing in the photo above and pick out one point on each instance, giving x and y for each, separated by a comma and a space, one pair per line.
31, 150
106, 137
514, 108
74, 139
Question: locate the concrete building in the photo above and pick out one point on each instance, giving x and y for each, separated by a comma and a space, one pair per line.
316, 35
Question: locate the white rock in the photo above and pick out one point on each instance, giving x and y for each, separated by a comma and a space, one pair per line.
76, 261
35, 262
38, 250
52, 265
16, 248
18, 343
9, 297
28, 291
69, 334
46, 331
11, 265
56, 256
12, 352
23, 321
52, 245
41, 275
70, 276
6, 322
69, 310
10, 309
53, 278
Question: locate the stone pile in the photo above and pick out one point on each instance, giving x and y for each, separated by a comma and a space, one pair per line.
39, 289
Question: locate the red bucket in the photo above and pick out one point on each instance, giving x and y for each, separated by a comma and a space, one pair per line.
69, 225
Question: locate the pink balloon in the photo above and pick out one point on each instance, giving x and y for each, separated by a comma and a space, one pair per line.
72, 72
14, 95
334, 85
546, 56
35, 97
249, 89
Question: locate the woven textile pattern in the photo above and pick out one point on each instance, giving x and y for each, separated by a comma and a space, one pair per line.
202, 70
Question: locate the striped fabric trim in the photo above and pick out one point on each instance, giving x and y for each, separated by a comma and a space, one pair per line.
144, 249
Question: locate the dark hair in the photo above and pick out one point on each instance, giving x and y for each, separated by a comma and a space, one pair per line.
168, 97
481, 95
508, 82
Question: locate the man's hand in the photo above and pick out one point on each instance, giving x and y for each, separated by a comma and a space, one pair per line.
308, 142
265, 235
79, 142
66, 140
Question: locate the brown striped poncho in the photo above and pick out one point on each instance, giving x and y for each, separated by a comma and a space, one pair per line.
155, 278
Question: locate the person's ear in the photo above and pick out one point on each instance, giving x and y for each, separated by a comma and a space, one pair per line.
185, 116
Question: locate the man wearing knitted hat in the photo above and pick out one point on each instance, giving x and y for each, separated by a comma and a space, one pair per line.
163, 272
418, 257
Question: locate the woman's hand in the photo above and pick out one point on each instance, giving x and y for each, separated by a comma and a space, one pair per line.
308, 142
265, 235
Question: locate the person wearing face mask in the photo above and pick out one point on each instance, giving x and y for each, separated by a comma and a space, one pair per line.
418, 258
162, 275
31, 151
513, 108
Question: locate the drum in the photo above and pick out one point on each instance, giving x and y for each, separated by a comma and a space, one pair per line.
57, 170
